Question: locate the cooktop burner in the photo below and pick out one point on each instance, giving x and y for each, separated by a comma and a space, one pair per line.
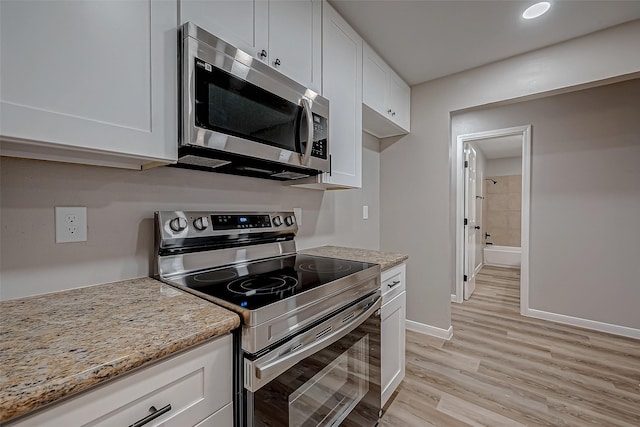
215, 276
263, 285
260, 283
324, 266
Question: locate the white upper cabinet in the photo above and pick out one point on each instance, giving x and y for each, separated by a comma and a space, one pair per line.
285, 34
232, 20
386, 98
89, 81
342, 86
295, 40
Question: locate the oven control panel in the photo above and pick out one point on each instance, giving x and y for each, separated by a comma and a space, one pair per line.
235, 221
186, 224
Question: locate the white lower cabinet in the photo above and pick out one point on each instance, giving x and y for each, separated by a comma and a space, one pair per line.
196, 385
224, 417
392, 336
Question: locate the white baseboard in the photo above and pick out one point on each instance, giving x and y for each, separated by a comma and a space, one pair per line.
445, 334
583, 323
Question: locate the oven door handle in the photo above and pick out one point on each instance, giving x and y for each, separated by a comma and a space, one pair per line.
305, 157
261, 371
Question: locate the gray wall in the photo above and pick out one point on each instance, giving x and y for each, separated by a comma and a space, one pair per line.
503, 167
416, 195
585, 199
120, 210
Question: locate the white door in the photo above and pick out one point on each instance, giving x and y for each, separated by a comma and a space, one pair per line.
470, 214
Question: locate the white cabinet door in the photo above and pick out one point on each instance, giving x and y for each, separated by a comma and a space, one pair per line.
94, 76
342, 85
400, 101
243, 23
295, 40
288, 32
190, 387
392, 346
375, 79
386, 98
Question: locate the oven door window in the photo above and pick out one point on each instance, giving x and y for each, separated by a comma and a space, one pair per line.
227, 104
338, 385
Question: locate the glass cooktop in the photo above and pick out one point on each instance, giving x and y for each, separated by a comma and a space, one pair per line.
260, 283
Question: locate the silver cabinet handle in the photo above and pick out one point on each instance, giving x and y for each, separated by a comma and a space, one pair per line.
395, 283
154, 414
305, 158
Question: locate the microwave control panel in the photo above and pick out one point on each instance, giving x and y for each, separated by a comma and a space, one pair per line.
319, 148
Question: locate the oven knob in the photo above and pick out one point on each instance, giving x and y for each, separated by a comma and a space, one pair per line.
201, 223
178, 224
289, 221
277, 221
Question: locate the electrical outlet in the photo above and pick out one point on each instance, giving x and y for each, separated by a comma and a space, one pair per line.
365, 212
71, 224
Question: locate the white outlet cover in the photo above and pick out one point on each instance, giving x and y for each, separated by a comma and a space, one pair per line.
71, 224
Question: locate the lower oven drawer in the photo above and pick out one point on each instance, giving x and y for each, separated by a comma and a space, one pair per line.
333, 379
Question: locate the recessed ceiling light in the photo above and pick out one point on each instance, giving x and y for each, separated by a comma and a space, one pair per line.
536, 10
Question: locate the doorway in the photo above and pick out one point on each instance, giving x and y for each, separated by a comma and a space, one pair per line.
469, 205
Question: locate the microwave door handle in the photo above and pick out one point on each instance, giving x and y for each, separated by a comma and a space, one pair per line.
305, 157
264, 372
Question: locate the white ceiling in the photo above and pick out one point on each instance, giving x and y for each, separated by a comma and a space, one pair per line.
423, 39
501, 147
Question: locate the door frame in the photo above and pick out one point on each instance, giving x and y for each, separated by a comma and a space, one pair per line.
458, 166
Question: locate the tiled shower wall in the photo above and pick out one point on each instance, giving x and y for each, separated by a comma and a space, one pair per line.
502, 209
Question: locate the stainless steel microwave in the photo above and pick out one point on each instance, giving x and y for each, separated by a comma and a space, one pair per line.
240, 116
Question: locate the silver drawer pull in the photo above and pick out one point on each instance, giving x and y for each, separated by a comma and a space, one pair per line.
391, 285
155, 413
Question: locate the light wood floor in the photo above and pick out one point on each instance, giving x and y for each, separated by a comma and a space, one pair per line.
502, 369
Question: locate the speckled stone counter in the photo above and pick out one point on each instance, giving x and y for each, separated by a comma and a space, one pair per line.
61, 343
385, 259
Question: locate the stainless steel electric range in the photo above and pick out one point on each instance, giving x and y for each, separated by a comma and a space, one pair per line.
308, 351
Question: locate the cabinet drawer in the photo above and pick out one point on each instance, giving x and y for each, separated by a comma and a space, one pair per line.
393, 282
195, 383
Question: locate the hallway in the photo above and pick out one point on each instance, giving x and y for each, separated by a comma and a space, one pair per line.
502, 369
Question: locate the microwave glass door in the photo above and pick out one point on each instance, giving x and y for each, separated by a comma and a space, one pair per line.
227, 104
338, 385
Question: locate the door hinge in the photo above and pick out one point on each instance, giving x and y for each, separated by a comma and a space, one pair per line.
466, 163
466, 221
464, 279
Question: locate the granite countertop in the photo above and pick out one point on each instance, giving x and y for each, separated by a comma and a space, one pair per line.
57, 344
385, 259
